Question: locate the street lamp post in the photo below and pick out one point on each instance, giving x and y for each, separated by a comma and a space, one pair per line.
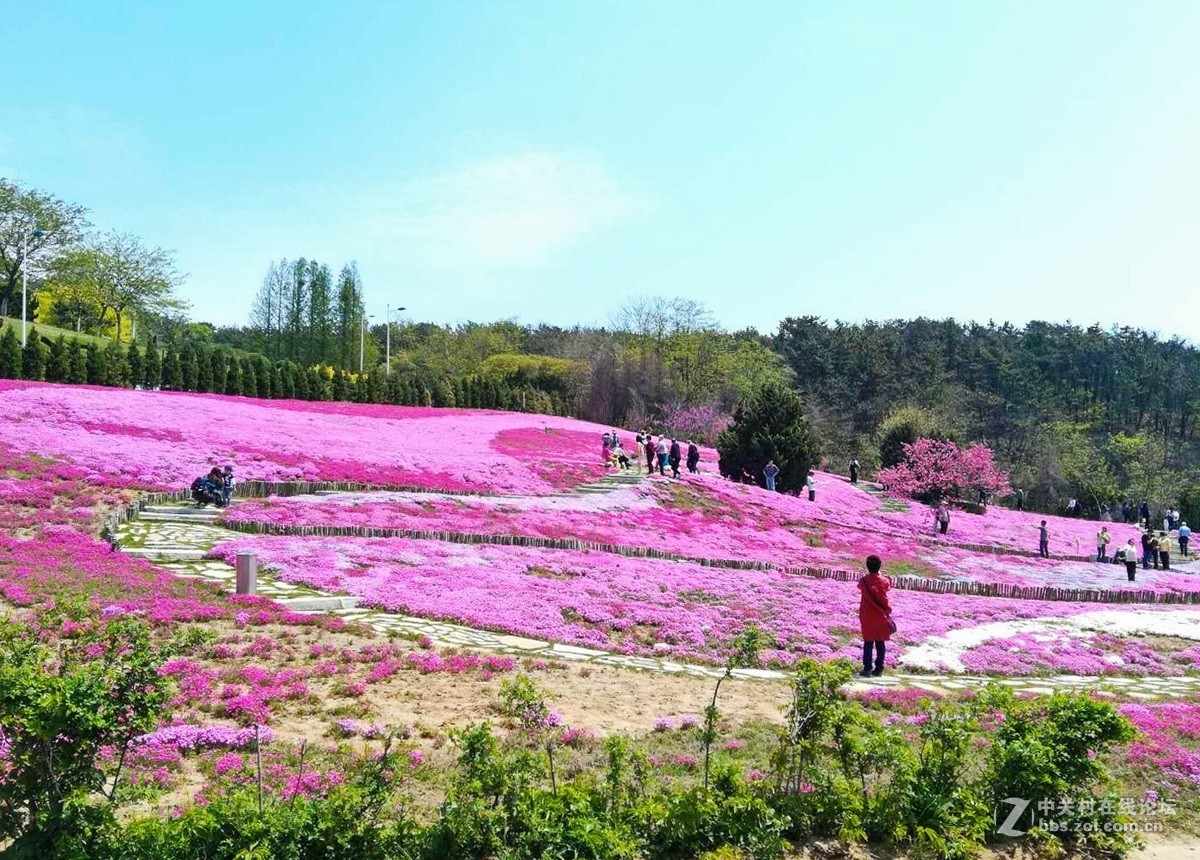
362, 342
25, 277
389, 338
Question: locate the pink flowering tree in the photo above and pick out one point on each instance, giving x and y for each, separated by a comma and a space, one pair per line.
702, 423
933, 470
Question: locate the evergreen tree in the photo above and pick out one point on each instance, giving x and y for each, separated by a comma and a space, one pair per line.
770, 426
443, 394
204, 369
137, 369
220, 369
233, 376
279, 387
172, 371
116, 367
77, 355
338, 388
249, 379
33, 357
318, 386
58, 361
10, 355
189, 366
262, 374
300, 383
97, 367
152, 368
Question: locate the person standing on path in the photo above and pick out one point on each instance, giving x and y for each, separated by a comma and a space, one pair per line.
1147, 550
812, 487
693, 458
1019, 494
661, 450
1102, 539
943, 518
1129, 554
1164, 550
649, 454
1043, 540
1144, 513
1184, 534
227, 487
854, 471
770, 472
675, 457
874, 617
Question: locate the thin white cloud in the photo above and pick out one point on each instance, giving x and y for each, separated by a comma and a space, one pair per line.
520, 210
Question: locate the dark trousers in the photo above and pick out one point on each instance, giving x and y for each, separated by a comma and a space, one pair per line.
674, 467
1044, 550
1146, 559
943, 525
1101, 555
649, 459
1183, 542
1165, 559
812, 495
880, 648
1131, 570
693, 465
854, 476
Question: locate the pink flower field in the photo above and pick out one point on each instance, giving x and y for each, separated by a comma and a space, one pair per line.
161, 440
69, 454
704, 517
686, 611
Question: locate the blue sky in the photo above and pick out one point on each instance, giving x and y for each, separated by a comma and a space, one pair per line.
546, 161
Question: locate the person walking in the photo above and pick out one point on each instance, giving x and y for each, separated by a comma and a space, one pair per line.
1184, 535
943, 518
1019, 494
874, 617
854, 471
770, 472
661, 450
1164, 550
812, 487
675, 457
1129, 556
1102, 539
1043, 540
1126, 512
1144, 513
1147, 550
639, 447
649, 454
693, 457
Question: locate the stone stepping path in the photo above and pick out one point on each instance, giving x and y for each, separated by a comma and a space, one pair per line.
178, 538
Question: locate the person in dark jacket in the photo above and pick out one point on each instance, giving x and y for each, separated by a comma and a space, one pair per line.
1147, 551
649, 454
693, 458
854, 471
675, 457
874, 616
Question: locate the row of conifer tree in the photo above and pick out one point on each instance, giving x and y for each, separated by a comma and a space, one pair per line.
203, 368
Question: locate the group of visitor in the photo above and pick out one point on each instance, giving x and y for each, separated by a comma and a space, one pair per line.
661, 454
215, 488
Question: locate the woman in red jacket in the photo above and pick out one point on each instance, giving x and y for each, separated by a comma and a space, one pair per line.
875, 616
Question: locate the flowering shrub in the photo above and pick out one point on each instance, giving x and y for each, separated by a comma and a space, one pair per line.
936, 469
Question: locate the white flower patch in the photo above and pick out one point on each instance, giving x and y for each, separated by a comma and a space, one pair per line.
944, 653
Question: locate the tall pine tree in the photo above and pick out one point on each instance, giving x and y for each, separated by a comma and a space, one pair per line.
33, 357
10, 354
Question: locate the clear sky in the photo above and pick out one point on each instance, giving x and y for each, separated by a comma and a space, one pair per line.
546, 160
